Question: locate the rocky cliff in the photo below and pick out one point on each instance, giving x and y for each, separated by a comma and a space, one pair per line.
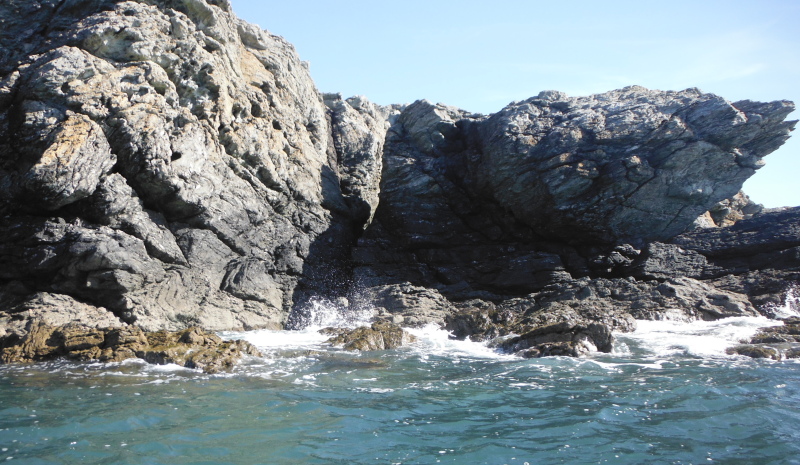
165, 164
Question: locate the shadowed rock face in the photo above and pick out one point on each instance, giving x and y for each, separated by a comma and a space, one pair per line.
164, 164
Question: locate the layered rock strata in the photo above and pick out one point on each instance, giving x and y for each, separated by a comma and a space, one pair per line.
164, 164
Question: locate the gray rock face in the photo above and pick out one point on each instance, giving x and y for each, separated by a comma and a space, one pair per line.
431, 229
555, 188
358, 128
633, 165
182, 158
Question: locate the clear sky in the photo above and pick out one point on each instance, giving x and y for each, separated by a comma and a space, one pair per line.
481, 55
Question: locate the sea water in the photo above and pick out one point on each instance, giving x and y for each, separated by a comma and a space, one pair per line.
668, 394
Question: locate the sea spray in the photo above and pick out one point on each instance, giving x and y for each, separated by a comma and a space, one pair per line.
339, 313
789, 308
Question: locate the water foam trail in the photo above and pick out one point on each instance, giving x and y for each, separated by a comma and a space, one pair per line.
432, 340
697, 338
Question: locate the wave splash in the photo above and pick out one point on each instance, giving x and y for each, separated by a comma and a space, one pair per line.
705, 339
660, 339
790, 307
321, 313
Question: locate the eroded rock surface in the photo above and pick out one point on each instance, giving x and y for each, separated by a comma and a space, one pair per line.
174, 164
556, 187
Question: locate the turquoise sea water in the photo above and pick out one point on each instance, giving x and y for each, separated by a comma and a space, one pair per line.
667, 395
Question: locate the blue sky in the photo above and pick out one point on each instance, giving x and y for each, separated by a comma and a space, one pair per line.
481, 55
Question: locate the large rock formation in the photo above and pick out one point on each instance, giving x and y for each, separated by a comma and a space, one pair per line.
164, 164
554, 188
172, 163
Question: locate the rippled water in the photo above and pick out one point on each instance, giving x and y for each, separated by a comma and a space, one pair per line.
668, 395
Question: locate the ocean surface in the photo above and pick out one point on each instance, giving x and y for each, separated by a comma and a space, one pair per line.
667, 395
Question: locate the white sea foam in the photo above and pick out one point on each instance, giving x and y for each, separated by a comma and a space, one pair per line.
320, 313
268, 339
652, 338
697, 338
432, 340
702, 338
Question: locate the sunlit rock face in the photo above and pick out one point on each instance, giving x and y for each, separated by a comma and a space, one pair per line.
171, 163
632, 165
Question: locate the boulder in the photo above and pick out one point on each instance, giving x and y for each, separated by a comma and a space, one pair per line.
407, 305
379, 336
561, 339
753, 351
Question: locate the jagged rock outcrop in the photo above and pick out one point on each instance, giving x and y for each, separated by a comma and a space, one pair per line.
555, 188
632, 165
729, 211
358, 129
164, 164
173, 164
572, 311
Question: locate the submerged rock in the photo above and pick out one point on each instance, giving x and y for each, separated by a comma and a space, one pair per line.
754, 351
